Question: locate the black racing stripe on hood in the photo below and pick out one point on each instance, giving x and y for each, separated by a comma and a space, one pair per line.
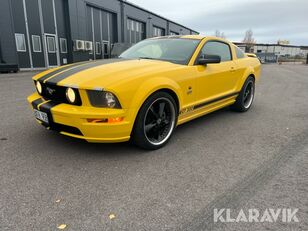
89, 65
58, 71
46, 107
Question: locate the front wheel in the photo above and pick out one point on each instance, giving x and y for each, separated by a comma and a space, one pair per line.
245, 98
155, 122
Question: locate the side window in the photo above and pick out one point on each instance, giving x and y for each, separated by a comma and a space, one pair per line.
239, 53
217, 48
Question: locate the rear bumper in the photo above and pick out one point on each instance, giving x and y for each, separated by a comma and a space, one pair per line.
73, 121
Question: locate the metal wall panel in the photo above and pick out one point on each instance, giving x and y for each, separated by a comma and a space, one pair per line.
35, 29
97, 33
48, 17
62, 28
7, 38
20, 27
178, 29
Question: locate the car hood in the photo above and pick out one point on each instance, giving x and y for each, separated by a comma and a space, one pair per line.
103, 73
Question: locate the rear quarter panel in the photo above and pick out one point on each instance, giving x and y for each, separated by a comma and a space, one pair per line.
245, 67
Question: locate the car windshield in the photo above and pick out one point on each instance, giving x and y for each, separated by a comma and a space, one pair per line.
176, 50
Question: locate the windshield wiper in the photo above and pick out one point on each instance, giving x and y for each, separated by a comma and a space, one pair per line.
145, 58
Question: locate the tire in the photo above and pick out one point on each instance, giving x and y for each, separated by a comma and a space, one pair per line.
156, 118
245, 98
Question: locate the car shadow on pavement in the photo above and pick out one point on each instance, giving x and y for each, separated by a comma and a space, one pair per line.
71, 146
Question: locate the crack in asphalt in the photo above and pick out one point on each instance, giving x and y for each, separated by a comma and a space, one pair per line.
245, 189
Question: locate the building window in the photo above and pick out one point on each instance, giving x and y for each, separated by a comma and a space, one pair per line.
63, 45
51, 45
173, 33
157, 31
36, 43
20, 42
98, 48
135, 31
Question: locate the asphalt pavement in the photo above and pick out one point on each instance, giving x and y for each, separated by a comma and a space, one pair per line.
257, 159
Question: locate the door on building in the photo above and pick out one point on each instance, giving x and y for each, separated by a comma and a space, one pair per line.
52, 50
106, 49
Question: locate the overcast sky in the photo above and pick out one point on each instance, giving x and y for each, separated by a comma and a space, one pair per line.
270, 20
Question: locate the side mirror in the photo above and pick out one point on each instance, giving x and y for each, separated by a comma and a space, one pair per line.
207, 59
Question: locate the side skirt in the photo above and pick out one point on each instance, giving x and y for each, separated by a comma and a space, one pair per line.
206, 108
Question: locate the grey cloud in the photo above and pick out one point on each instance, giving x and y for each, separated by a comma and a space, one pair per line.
284, 19
270, 20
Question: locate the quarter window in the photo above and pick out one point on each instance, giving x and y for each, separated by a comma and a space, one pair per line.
63, 45
217, 48
20, 42
36, 43
239, 53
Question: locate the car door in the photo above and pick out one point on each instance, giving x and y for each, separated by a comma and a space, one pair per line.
214, 81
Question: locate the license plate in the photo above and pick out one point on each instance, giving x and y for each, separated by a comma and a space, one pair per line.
42, 116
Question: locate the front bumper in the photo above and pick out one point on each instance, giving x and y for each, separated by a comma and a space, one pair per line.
73, 120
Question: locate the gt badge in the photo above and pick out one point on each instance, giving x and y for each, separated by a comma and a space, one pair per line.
186, 110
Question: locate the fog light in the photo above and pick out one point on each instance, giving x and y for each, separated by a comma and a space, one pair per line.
106, 120
97, 120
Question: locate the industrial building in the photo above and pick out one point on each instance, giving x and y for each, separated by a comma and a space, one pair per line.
272, 53
38, 34
278, 49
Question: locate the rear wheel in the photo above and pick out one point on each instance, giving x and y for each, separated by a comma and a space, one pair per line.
155, 122
245, 98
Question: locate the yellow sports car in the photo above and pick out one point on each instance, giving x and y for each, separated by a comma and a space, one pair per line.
144, 94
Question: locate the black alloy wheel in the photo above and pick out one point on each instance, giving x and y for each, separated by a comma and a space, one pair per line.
156, 121
246, 96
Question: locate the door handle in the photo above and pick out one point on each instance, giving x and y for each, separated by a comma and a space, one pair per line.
232, 69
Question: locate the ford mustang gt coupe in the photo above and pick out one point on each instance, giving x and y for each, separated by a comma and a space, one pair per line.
147, 91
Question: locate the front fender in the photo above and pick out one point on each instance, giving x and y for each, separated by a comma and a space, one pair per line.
152, 85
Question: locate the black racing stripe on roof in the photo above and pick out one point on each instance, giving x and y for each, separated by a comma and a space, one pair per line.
44, 77
73, 71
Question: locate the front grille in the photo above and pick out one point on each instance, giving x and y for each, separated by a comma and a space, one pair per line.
65, 128
57, 93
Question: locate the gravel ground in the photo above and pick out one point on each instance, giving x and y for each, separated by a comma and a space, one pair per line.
257, 159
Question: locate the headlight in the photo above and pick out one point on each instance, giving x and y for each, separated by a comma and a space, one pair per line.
70, 95
38, 87
103, 99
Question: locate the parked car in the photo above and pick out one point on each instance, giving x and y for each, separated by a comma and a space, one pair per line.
144, 94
